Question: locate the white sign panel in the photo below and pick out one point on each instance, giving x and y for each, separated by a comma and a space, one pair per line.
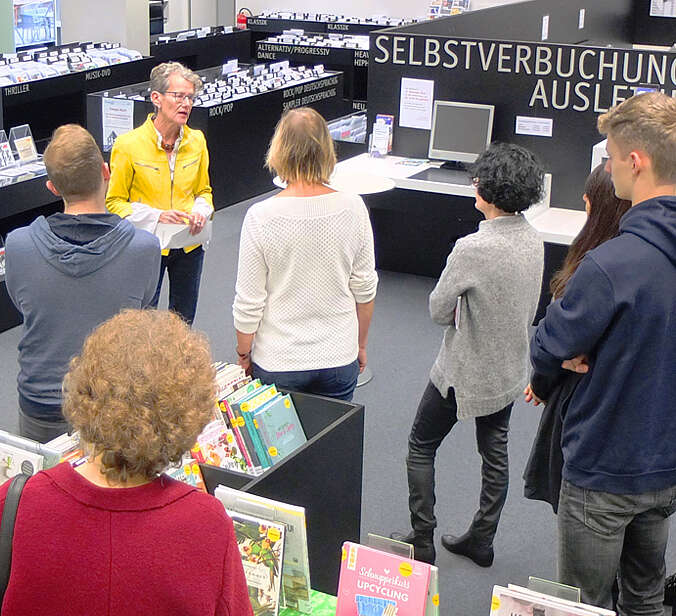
536, 127
118, 118
415, 106
663, 8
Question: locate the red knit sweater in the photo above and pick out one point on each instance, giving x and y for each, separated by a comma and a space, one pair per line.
161, 548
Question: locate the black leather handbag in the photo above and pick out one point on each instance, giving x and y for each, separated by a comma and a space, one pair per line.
7, 529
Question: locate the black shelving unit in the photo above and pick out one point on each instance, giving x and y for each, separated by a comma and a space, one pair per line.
324, 476
238, 132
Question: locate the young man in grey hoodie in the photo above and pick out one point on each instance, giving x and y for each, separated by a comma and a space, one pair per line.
68, 273
486, 297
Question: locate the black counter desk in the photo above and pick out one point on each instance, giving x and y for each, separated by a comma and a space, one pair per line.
199, 53
352, 62
238, 133
46, 104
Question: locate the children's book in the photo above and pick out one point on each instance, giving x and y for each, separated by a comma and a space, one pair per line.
522, 602
188, 472
375, 583
261, 546
295, 568
14, 460
233, 424
279, 427
247, 407
231, 403
216, 445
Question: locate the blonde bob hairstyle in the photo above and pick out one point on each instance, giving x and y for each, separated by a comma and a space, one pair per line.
140, 392
301, 150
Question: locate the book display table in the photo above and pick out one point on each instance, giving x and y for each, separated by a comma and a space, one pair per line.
238, 131
324, 476
198, 52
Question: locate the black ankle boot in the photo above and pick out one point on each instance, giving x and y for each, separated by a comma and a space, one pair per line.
423, 545
467, 545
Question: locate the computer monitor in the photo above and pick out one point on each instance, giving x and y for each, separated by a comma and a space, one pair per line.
460, 131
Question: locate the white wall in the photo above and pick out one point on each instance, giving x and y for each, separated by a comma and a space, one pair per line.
123, 21
204, 13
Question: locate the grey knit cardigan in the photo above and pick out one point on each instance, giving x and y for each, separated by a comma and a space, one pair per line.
498, 273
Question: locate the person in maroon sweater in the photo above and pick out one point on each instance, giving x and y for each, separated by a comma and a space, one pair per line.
115, 536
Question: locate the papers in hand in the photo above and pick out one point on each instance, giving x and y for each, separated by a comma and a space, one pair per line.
178, 236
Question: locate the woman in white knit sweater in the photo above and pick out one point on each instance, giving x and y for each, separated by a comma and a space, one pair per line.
306, 278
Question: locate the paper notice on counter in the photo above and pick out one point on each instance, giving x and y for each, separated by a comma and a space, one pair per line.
537, 127
118, 118
415, 103
663, 8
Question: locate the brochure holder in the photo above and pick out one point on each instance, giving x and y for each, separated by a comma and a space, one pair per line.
22, 143
555, 589
6, 154
324, 475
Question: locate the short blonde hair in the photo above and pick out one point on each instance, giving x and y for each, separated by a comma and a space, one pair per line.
159, 76
140, 392
73, 162
646, 122
301, 150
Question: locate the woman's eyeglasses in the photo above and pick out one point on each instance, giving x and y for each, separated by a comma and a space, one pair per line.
182, 97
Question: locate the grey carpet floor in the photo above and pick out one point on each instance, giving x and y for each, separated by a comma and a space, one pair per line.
403, 343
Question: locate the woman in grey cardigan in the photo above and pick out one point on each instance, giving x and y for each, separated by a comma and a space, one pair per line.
486, 297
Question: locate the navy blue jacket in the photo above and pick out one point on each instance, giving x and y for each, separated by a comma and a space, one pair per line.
619, 308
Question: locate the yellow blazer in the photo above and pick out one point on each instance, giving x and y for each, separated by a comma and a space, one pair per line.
140, 172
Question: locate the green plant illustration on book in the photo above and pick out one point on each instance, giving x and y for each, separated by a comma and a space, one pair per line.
261, 545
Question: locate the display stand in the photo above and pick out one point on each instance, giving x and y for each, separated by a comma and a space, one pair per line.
352, 62
324, 476
198, 53
48, 103
238, 132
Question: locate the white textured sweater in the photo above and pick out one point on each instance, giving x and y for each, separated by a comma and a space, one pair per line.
303, 264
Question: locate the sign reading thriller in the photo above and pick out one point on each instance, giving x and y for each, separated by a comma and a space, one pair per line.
564, 76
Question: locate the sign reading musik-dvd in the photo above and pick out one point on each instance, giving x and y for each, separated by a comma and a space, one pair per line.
98, 74
308, 93
561, 77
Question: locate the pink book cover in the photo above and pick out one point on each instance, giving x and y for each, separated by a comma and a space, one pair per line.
374, 583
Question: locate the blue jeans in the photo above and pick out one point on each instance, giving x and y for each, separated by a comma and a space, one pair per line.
601, 534
434, 419
185, 272
337, 382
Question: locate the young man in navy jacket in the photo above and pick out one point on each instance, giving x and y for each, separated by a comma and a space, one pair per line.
616, 324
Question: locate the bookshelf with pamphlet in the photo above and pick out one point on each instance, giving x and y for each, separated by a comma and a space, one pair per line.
315, 461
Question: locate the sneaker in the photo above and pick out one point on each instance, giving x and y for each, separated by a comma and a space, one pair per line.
423, 546
670, 590
467, 545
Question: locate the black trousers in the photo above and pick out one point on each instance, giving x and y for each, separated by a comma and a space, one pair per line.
434, 419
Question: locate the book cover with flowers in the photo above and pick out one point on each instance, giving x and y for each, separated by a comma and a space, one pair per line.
261, 546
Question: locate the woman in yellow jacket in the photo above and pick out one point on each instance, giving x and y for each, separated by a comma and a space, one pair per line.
160, 174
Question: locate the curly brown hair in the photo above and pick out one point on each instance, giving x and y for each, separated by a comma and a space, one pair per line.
140, 392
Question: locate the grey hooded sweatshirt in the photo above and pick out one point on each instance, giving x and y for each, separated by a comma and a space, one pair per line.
67, 276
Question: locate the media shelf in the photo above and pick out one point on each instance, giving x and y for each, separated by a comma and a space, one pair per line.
199, 52
238, 131
324, 476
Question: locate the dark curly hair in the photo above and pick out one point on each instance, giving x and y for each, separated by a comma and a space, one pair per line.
508, 176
